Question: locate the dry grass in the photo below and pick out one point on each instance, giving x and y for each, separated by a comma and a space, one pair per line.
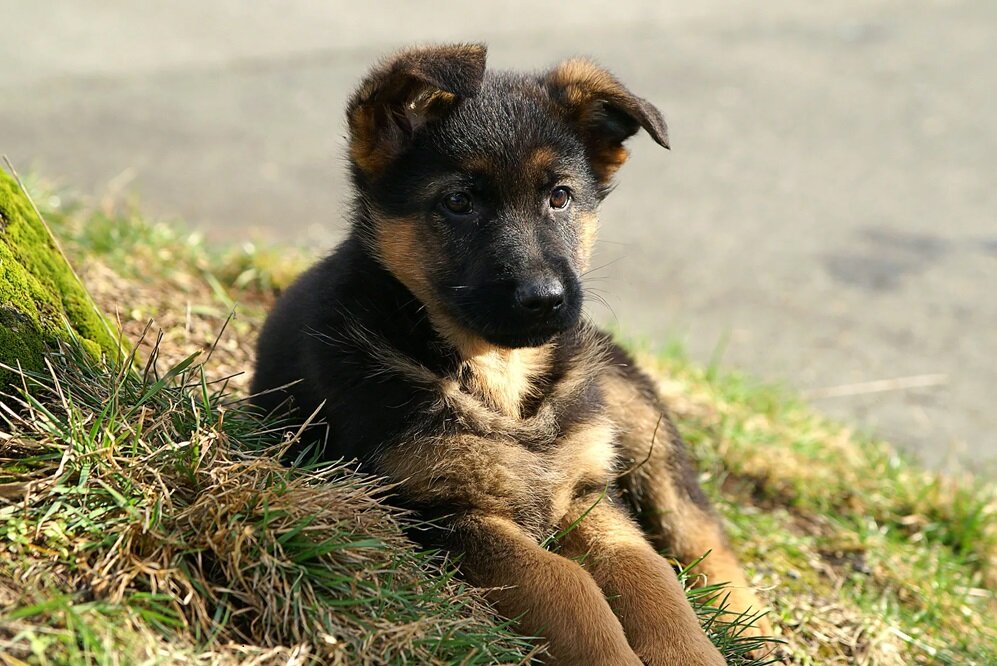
137, 508
868, 558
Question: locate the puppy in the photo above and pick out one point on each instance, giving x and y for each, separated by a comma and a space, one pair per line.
442, 345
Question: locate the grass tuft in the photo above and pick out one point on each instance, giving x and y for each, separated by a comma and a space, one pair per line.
138, 511
869, 557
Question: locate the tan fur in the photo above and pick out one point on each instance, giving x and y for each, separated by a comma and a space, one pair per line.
582, 88
540, 160
678, 525
643, 434
721, 566
500, 477
589, 223
610, 161
642, 587
402, 250
504, 377
584, 83
580, 78
365, 149
589, 456
551, 595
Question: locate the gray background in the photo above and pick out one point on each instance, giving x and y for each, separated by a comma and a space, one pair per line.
826, 217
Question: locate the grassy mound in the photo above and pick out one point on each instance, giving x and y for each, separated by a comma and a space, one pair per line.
143, 523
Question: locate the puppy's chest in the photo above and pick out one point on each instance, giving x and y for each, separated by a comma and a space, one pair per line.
498, 475
490, 457
504, 381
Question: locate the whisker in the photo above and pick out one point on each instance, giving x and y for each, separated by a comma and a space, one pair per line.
599, 268
599, 298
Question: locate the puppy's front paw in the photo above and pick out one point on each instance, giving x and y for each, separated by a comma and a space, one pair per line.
685, 651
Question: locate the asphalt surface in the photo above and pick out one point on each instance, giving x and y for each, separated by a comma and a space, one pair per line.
827, 216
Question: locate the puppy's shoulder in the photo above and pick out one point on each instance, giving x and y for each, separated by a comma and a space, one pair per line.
622, 375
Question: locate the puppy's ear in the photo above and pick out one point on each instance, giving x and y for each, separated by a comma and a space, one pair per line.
404, 93
604, 112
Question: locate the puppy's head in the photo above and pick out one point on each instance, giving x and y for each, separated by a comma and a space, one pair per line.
479, 191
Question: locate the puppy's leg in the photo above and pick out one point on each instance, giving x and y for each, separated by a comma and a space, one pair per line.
661, 484
550, 595
641, 586
678, 524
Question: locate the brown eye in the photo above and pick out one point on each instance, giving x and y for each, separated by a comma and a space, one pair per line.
458, 203
559, 197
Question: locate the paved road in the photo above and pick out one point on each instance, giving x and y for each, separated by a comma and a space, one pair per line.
828, 209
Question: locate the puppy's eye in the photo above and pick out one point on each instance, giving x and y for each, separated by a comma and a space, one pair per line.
560, 197
458, 203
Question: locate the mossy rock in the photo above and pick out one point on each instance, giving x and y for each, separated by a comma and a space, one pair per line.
42, 301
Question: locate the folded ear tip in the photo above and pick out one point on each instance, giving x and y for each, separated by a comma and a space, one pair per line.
655, 124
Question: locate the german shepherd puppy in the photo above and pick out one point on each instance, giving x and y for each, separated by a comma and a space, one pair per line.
443, 346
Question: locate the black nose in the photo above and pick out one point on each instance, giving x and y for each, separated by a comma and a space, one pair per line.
541, 297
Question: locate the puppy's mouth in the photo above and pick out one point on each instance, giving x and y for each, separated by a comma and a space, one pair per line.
501, 317
515, 339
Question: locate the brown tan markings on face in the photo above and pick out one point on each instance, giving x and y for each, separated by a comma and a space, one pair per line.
539, 163
405, 253
535, 168
588, 224
503, 377
408, 255
476, 164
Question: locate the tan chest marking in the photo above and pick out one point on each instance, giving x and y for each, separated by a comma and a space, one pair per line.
504, 377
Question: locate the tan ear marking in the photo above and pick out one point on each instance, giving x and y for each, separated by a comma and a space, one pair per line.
406, 92
605, 112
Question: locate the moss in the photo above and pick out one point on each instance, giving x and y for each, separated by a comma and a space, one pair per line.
41, 299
